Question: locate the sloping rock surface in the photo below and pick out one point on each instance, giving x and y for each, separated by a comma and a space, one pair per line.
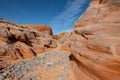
95, 42
90, 52
20, 42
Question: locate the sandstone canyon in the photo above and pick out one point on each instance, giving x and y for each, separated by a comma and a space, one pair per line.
90, 52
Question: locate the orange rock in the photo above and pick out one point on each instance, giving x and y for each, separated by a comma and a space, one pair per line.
42, 28
96, 40
21, 42
100, 11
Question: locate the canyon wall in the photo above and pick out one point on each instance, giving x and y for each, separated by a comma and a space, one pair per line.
95, 42
90, 52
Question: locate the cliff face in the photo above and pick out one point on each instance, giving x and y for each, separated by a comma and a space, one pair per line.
90, 52
100, 11
95, 42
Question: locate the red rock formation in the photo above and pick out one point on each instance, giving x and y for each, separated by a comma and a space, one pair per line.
100, 11
19, 42
95, 42
42, 28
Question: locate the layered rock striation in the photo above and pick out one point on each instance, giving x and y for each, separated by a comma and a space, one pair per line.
95, 42
20, 42
90, 52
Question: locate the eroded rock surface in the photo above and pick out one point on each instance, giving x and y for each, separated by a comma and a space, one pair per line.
20, 42
90, 52
95, 42
42, 28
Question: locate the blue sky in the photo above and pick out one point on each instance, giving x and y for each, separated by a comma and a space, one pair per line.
59, 14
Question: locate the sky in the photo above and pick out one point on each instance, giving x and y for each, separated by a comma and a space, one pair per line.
59, 14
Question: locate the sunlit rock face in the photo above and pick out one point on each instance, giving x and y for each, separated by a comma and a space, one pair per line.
95, 43
90, 52
21, 42
40, 27
100, 11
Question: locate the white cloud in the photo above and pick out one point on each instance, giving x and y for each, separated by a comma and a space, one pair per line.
69, 15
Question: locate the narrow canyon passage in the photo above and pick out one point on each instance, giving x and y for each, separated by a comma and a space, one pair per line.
90, 52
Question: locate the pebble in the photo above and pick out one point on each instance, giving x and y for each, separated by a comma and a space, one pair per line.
28, 66
2, 77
